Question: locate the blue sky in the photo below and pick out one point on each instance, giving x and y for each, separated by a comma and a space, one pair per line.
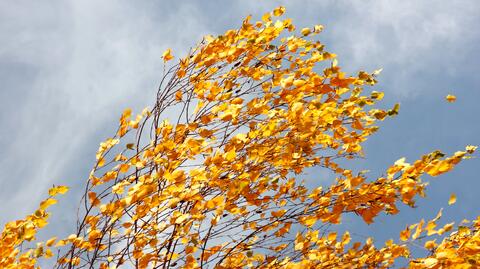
68, 69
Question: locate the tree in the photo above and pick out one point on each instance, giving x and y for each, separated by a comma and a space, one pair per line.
211, 176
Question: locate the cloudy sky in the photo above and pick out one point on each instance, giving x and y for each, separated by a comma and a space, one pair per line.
68, 69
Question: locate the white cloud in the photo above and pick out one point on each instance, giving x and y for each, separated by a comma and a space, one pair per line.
90, 60
406, 37
410, 39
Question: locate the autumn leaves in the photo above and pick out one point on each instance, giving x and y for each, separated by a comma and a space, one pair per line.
218, 184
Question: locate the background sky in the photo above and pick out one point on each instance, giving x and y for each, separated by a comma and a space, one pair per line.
69, 68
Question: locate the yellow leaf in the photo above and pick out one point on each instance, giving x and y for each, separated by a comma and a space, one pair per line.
279, 213
334, 62
471, 149
205, 133
101, 162
182, 218
279, 11
447, 227
92, 196
299, 246
230, 155
48, 253
72, 237
419, 229
50, 242
279, 25
332, 237
46, 203
124, 168
57, 190
394, 110
318, 28
299, 82
377, 95
430, 244
451, 98
405, 234
377, 72
38, 251
130, 146
241, 137
215, 202
453, 199
306, 31
309, 221
61, 243
431, 228
430, 262
266, 17
178, 95
167, 55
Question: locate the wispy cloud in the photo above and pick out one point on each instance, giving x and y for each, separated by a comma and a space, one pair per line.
71, 68
411, 39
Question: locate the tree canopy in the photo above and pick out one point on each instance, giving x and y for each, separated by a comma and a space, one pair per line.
212, 175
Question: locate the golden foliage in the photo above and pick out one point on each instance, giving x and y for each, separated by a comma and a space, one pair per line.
220, 185
451, 98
